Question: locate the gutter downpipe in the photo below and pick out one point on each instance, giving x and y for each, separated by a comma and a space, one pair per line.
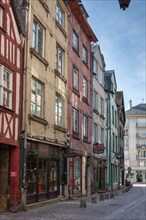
28, 19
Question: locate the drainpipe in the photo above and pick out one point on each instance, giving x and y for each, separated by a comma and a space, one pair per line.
25, 116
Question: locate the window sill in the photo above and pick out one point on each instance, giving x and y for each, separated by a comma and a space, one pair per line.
102, 116
85, 63
85, 139
57, 127
5, 109
85, 100
96, 111
76, 91
62, 29
37, 119
60, 76
76, 136
45, 6
76, 51
34, 52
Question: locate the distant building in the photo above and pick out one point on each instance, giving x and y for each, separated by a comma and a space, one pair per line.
99, 109
135, 142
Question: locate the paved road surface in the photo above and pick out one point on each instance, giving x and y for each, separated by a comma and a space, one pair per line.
126, 206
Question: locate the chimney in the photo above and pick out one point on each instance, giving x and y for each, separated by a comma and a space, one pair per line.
130, 104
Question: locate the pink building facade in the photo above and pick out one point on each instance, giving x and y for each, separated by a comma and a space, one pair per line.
79, 99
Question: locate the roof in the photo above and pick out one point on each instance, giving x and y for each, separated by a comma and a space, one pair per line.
138, 109
19, 9
77, 12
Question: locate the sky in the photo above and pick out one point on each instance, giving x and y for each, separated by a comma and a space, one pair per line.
121, 35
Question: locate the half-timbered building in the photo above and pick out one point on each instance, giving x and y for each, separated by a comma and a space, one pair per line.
11, 50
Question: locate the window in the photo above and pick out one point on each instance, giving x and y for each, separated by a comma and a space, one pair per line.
95, 133
84, 55
85, 88
38, 38
6, 80
59, 111
59, 60
85, 127
102, 136
1, 16
95, 100
75, 79
95, 67
60, 15
113, 115
102, 106
36, 98
75, 121
75, 42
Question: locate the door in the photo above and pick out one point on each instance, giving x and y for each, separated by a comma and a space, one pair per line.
4, 173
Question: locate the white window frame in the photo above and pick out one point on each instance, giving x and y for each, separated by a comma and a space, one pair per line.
1, 16
75, 78
37, 42
6, 86
85, 126
60, 15
37, 91
75, 121
85, 88
95, 100
102, 106
95, 67
84, 54
60, 60
95, 137
59, 107
75, 41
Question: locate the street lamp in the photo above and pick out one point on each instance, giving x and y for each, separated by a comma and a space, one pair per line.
124, 4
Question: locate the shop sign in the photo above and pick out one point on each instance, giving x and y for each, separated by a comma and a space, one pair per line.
98, 148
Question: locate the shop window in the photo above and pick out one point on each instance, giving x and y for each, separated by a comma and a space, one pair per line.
53, 176
77, 175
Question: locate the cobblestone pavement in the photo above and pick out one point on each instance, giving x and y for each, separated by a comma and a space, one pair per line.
126, 206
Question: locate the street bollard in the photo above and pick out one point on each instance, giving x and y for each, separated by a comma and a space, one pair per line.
101, 197
107, 196
94, 199
82, 203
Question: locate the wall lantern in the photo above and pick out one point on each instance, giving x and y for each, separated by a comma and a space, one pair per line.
124, 4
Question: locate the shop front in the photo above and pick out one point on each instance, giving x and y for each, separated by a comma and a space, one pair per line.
45, 172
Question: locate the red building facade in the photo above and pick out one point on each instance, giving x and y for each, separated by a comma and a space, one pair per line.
10, 106
79, 100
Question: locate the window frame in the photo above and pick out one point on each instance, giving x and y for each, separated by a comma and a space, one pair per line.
75, 41
102, 106
35, 93
39, 48
60, 63
95, 100
6, 87
59, 109
1, 17
85, 127
60, 15
84, 55
95, 137
75, 79
95, 67
85, 88
75, 121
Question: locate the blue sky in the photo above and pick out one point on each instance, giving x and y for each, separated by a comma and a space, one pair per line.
122, 39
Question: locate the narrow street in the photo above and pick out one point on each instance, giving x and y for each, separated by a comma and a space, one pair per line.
125, 206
